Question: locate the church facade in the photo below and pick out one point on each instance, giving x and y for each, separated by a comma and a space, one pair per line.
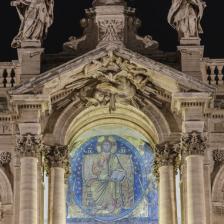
111, 129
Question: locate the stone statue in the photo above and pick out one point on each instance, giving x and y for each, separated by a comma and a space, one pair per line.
36, 17
185, 16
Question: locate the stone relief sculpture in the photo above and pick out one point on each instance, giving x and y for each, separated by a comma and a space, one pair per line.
185, 16
36, 17
145, 44
99, 29
109, 81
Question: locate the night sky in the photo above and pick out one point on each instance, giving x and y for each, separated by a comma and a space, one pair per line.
153, 14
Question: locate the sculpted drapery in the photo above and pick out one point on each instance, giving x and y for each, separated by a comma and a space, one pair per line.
185, 16
36, 17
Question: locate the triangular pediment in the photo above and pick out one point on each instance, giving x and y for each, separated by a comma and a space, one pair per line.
112, 70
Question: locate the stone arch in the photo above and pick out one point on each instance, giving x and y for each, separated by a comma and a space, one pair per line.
218, 186
6, 194
218, 197
72, 122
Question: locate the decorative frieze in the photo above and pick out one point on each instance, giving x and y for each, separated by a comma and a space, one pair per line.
29, 145
193, 143
56, 156
5, 158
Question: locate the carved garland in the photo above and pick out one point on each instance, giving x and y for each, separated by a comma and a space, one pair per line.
5, 158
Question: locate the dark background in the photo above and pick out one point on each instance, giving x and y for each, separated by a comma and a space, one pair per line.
153, 14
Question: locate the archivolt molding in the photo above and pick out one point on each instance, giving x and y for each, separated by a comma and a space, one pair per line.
218, 186
72, 122
6, 194
218, 192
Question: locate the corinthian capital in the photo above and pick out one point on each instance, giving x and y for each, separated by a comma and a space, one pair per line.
29, 145
56, 156
5, 158
193, 143
166, 155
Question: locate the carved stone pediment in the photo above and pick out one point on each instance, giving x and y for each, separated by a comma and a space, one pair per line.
108, 76
108, 81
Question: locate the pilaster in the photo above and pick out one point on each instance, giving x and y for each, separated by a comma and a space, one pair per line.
165, 162
193, 150
56, 159
28, 147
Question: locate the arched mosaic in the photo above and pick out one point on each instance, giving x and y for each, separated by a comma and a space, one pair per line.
112, 181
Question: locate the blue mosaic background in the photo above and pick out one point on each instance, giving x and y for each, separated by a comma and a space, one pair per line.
144, 184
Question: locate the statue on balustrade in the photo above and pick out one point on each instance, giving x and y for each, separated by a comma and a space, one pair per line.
36, 17
185, 16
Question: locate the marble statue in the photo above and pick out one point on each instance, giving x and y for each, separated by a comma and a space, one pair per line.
185, 16
36, 17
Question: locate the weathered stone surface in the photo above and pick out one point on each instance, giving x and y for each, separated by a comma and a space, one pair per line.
108, 83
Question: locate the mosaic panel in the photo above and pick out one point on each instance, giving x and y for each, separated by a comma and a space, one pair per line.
112, 182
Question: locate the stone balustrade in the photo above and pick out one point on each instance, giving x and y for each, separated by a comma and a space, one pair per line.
213, 71
9, 74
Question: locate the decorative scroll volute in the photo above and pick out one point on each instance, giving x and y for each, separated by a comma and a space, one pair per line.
5, 158
193, 143
29, 145
56, 156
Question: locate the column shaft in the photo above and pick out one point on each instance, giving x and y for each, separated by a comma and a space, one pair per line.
28, 190
167, 196
58, 205
195, 190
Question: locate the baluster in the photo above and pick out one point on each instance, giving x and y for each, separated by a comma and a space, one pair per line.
204, 73
208, 71
216, 73
212, 67
12, 74
219, 67
5, 75
222, 73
